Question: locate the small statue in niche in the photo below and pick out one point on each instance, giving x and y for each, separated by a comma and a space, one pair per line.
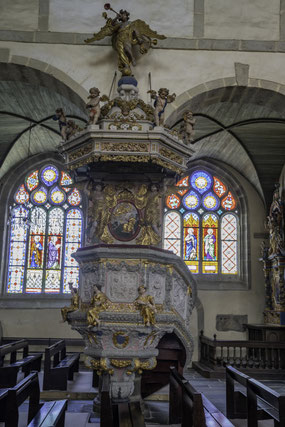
264, 250
74, 305
160, 102
93, 105
60, 117
145, 304
99, 302
275, 224
187, 127
150, 221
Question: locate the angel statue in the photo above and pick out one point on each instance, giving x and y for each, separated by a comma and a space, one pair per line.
125, 35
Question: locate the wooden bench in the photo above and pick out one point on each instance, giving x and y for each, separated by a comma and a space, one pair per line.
39, 415
271, 403
59, 367
191, 408
236, 399
28, 362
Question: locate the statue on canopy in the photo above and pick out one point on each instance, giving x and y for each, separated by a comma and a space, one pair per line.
125, 35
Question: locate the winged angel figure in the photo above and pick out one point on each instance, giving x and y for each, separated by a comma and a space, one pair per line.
125, 35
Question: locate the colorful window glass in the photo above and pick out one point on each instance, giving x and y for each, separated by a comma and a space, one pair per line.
199, 227
45, 230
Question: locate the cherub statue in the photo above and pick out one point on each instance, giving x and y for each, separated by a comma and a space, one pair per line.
160, 102
145, 304
125, 35
60, 117
94, 105
99, 302
75, 301
187, 127
71, 129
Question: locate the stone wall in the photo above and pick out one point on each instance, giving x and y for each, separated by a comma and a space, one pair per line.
218, 20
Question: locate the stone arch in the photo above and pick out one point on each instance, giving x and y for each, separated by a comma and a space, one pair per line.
235, 124
176, 108
48, 69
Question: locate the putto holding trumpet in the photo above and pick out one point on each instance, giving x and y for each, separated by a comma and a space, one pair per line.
125, 35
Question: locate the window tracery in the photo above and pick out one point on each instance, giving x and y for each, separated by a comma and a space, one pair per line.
201, 224
45, 230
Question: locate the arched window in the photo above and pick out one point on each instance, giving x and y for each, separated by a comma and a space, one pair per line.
45, 229
201, 224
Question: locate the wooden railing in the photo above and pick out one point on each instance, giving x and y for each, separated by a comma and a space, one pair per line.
242, 354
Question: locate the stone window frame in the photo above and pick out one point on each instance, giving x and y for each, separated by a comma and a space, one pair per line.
17, 176
220, 281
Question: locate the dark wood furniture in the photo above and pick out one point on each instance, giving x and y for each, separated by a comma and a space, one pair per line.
191, 408
39, 415
28, 362
236, 399
271, 403
59, 366
171, 353
261, 359
254, 401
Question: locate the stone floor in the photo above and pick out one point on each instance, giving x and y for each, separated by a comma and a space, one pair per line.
81, 394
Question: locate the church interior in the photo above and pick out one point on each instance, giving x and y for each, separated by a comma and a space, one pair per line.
142, 226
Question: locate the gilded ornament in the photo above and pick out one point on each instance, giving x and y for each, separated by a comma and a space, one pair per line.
79, 153
167, 165
102, 213
125, 146
74, 305
170, 155
101, 366
124, 158
99, 303
146, 306
151, 216
150, 338
120, 363
139, 365
120, 339
125, 35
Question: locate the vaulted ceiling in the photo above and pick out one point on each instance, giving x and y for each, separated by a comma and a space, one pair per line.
240, 126
28, 100
243, 127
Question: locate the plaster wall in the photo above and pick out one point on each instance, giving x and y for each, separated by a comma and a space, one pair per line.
19, 15
243, 19
179, 70
219, 19
251, 301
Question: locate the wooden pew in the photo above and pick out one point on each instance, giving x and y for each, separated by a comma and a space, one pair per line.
271, 402
236, 399
191, 408
59, 367
28, 362
39, 415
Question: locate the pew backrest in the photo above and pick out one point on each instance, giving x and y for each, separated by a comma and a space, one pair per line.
56, 351
12, 349
256, 390
236, 401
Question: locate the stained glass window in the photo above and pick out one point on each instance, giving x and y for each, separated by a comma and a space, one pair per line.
45, 230
199, 227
